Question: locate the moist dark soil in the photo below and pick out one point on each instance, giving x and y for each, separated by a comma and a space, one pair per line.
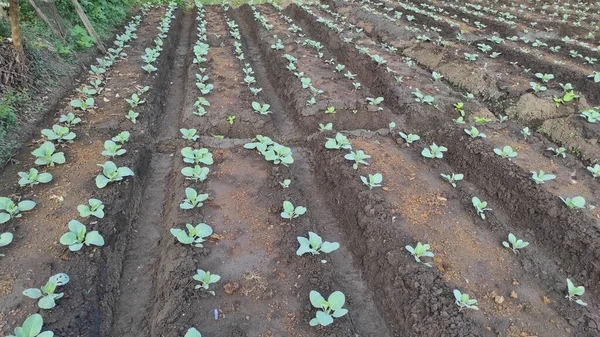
140, 283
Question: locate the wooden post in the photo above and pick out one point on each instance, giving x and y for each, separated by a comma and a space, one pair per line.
46, 21
13, 12
88, 25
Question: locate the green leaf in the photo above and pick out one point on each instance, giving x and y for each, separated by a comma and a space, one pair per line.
26, 205
47, 302
101, 181
68, 239
34, 293
4, 217
32, 325
324, 319
336, 300
316, 299
94, 238
5, 239
193, 332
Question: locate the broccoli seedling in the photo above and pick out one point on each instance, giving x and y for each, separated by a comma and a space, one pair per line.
194, 236
46, 292
480, 207
33, 177
514, 244
206, 279
373, 180
434, 151
453, 178
193, 199
315, 245
330, 308
111, 173
290, 212
94, 207
10, 210
573, 292
463, 301
32, 327
419, 251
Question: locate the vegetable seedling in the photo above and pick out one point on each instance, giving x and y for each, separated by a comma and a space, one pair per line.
46, 293
419, 251
464, 301
83, 105
435, 76
231, 119
193, 199
330, 110
410, 138
375, 101
577, 202
506, 152
325, 127
206, 279
189, 134
419, 97
544, 77
285, 183
33, 177
10, 210
573, 292
514, 244
78, 236
290, 212
261, 109
194, 236
594, 170
474, 133
195, 173
193, 332
94, 207
453, 178
434, 151
59, 133
561, 151
315, 245
111, 173
536, 87
358, 157
132, 116
541, 177
32, 327
591, 115
112, 149
46, 155
135, 100
197, 156
480, 207
69, 119
525, 132
373, 180
330, 308
122, 137
5, 240
339, 142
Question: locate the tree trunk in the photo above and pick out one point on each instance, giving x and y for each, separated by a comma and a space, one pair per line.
87, 24
44, 18
13, 12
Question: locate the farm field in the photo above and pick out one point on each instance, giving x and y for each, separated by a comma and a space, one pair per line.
169, 195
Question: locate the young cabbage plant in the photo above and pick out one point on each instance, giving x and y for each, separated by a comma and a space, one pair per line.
591, 115
506, 152
193, 199
69, 119
544, 77
193, 332
595, 76
206, 279
46, 155
330, 110
464, 301
419, 97
33, 177
435, 76
111, 173
358, 157
84, 104
77, 236
434, 151
480, 207
285, 183
375, 102
196, 173
134, 100
575, 202
261, 109
315, 245
453, 178
474, 133
419, 251
514, 244
132, 116
32, 327
573, 292
10, 210
194, 236
189, 134
410, 138
5, 240
330, 308
112, 149
594, 170
122, 137
526, 132
59, 134
325, 127
279, 154
46, 293
94, 207
339, 142
197, 156
290, 212
561, 151
149, 68
536, 87
373, 180
541, 177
